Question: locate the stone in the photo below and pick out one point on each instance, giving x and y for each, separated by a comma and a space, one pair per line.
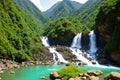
12, 72
77, 78
1, 72
54, 75
84, 78
115, 75
93, 62
81, 74
94, 72
0, 68
94, 78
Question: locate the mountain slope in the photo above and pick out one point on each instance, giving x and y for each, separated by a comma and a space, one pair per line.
86, 14
108, 28
19, 32
30, 7
62, 9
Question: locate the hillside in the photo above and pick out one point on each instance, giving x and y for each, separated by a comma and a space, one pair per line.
86, 14
32, 9
108, 28
61, 31
19, 33
62, 9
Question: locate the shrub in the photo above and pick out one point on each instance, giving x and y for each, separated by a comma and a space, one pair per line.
69, 71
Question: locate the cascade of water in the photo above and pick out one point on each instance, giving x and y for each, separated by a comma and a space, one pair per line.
79, 55
54, 58
92, 44
77, 41
57, 57
76, 45
45, 41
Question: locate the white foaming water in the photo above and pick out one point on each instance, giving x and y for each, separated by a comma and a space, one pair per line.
76, 45
92, 44
59, 56
77, 41
45, 41
56, 55
79, 55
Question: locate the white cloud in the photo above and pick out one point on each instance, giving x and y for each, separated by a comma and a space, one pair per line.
81, 1
37, 3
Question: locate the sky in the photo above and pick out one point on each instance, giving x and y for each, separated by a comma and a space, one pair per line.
43, 5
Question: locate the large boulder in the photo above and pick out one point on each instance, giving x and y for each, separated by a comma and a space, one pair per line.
54, 75
115, 76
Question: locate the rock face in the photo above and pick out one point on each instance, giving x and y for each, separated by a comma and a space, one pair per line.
115, 56
102, 57
66, 53
54, 76
107, 30
43, 55
85, 40
64, 40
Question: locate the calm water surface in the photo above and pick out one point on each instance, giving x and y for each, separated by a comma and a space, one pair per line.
36, 72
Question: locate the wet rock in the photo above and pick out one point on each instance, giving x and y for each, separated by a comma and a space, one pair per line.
1, 72
94, 78
93, 62
94, 72
101, 56
54, 75
115, 76
43, 78
12, 72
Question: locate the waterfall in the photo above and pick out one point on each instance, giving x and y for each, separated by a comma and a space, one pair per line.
77, 41
57, 57
83, 56
45, 41
92, 44
80, 55
75, 48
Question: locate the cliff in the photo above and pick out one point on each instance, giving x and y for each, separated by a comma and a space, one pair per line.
108, 30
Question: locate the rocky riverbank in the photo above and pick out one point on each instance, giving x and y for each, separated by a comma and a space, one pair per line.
89, 75
9, 64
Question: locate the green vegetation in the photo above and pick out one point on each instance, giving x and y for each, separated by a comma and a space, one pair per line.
61, 31
69, 71
59, 28
86, 14
62, 9
110, 12
32, 9
19, 32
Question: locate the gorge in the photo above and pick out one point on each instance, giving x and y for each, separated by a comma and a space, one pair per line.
34, 43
